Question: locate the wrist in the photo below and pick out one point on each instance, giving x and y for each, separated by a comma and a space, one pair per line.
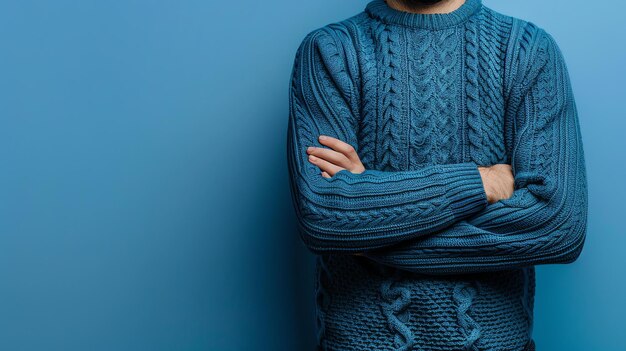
484, 171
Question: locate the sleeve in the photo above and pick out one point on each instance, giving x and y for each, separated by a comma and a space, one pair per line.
544, 221
351, 212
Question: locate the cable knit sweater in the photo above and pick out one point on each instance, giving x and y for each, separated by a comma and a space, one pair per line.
425, 99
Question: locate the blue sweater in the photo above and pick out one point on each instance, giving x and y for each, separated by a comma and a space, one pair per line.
425, 99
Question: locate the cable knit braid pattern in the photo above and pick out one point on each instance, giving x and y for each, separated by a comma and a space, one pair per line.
425, 99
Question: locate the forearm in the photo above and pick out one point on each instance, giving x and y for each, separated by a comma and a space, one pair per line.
503, 237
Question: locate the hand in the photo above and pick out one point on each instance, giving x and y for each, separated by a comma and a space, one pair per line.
342, 156
498, 181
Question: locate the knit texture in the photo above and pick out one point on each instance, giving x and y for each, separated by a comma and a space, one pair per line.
425, 99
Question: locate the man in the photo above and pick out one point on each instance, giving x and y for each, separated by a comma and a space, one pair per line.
435, 157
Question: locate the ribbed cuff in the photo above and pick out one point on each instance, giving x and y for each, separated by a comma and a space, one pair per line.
465, 189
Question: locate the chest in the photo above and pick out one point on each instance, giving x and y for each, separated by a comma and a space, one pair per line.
431, 98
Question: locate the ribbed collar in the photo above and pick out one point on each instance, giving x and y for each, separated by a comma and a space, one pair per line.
379, 9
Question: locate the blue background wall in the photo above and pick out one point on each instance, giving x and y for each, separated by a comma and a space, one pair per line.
144, 202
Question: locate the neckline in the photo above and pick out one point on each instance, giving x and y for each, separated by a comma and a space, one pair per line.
379, 9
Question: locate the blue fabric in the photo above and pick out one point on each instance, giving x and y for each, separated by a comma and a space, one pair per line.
425, 100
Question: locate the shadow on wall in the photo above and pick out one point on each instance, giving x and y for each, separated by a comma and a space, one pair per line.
303, 273
302, 264
277, 251
299, 266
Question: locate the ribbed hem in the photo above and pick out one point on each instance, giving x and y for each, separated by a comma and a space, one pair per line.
465, 189
379, 9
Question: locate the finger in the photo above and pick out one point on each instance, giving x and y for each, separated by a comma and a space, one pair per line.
340, 146
325, 175
325, 165
331, 156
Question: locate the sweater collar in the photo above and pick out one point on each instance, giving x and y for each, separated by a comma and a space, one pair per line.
379, 9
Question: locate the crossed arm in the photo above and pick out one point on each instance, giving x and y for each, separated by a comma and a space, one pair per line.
497, 180
442, 218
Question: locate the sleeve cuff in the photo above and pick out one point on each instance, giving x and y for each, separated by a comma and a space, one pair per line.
465, 189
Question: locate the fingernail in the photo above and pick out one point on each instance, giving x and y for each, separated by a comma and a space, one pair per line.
312, 158
309, 149
323, 137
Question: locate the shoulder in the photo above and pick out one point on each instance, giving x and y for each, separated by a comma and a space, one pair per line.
331, 51
535, 49
529, 48
334, 41
524, 35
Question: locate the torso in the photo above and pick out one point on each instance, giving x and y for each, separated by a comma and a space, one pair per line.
438, 96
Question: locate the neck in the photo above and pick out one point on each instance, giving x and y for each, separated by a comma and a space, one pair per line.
443, 6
